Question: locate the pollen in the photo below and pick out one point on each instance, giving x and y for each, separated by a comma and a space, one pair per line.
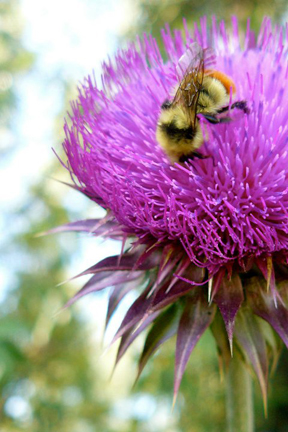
226, 80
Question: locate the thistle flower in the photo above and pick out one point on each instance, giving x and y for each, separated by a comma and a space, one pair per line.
208, 238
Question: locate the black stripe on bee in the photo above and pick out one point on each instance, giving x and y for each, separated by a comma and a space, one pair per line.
176, 133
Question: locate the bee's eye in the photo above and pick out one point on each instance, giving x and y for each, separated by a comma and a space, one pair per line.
167, 104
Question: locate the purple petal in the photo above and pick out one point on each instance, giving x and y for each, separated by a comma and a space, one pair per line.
229, 298
197, 316
222, 208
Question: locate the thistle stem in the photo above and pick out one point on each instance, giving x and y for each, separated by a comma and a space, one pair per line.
239, 397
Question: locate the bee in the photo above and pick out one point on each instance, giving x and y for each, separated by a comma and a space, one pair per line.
202, 90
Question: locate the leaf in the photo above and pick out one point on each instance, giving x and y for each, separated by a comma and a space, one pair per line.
267, 269
214, 284
85, 225
273, 343
283, 291
220, 335
128, 261
263, 305
132, 334
229, 298
100, 227
196, 317
80, 189
103, 280
149, 250
252, 342
167, 295
118, 292
166, 268
135, 314
164, 327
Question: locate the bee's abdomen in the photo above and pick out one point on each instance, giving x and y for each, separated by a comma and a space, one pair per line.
175, 133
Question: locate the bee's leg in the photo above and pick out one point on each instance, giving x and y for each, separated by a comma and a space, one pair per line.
224, 109
242, 105
192, 155
211, 118
185, 158
200, 155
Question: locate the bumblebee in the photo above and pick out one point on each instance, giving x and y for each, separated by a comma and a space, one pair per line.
202, 90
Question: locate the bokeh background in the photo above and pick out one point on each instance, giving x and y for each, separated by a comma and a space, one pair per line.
54, 372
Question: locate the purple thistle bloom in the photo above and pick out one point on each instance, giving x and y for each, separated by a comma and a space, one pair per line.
214, 227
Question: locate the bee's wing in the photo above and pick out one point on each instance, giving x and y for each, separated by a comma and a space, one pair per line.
190, 71
193, 53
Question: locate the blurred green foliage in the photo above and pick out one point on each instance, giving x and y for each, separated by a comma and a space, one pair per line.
14, 61
50, 378
154, 14
45, 363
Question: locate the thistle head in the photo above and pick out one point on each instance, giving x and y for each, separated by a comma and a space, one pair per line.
208, 237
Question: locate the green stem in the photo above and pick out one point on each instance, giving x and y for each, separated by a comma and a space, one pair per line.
239, 397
